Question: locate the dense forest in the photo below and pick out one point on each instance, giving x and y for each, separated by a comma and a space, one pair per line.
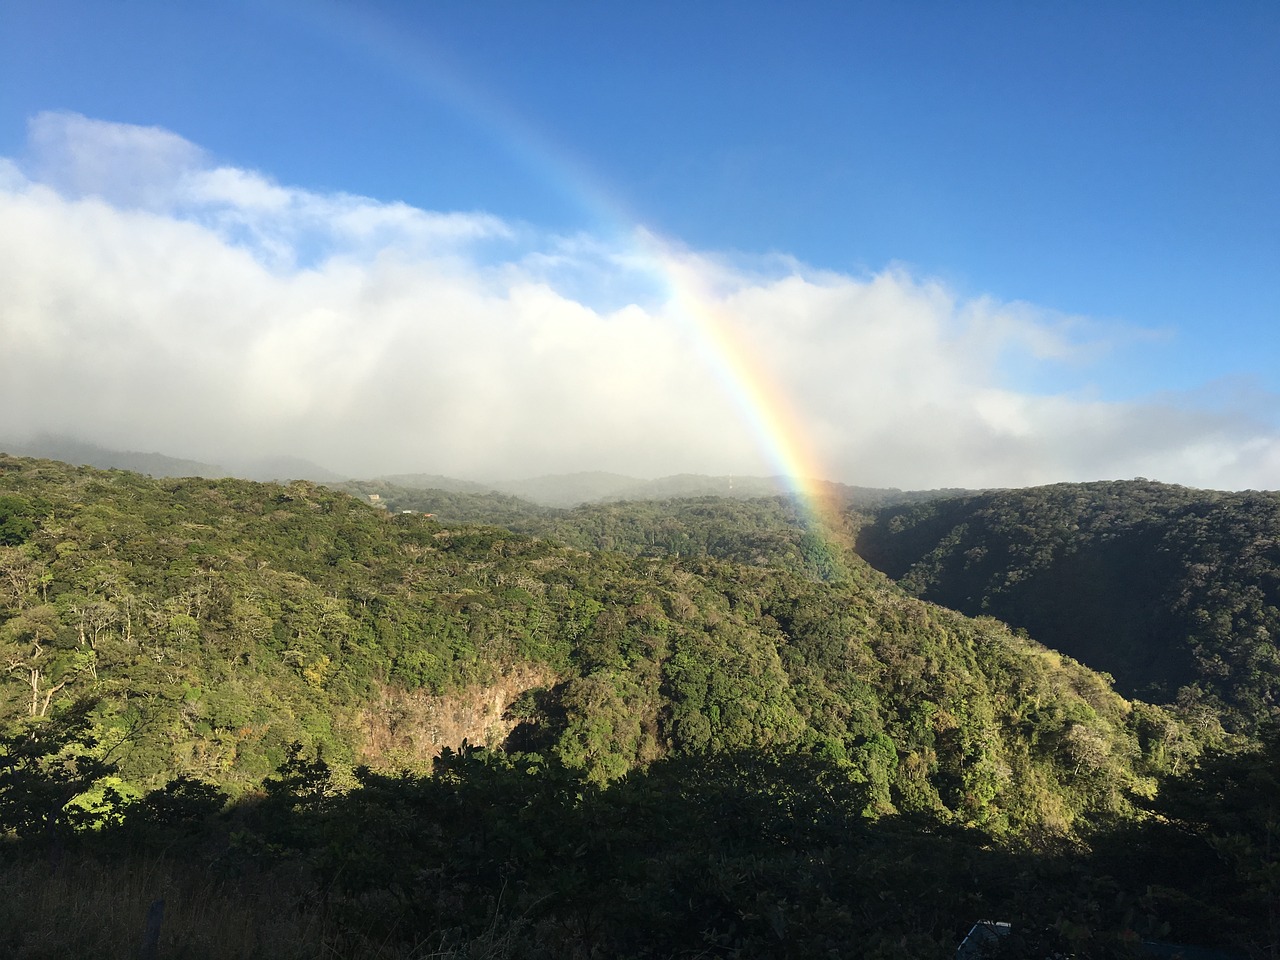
1174, 592
686, 727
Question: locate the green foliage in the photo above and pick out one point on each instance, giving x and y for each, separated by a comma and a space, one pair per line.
44, 766
763, 531
1216, 838
724, 735
1175, 592
17, 521
182, 804
242, 618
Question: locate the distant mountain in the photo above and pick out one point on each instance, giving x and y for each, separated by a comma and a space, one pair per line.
867, 499
560, 491
281, 469
88, 454
699, 485
574, 489
455, 503
81, 453
569, 489
432, 481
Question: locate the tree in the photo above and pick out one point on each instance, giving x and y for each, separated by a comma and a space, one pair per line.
29, 651
15, 523
20, 574
44, 766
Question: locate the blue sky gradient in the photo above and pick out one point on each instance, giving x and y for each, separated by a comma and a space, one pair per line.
1115, 165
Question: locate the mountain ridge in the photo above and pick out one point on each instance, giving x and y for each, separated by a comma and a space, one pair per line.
1173, 590
279, 611
83, 453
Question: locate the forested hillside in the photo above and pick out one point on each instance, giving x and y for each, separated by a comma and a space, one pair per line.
1173, 591
761, 531
230, 619
709, 733
566, 491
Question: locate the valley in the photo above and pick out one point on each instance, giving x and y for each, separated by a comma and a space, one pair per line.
284, 663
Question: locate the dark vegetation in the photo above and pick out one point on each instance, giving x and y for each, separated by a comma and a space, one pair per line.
1175, 592
722, 736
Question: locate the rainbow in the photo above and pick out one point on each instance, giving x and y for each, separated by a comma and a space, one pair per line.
763, 404
765, 407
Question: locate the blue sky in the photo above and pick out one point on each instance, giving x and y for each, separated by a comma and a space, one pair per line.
1105, 173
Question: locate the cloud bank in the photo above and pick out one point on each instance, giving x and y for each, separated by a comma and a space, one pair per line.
153, 299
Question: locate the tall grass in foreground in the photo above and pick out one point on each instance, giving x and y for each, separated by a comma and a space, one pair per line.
91, 908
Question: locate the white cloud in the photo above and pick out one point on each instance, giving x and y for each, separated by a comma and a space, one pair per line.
153, 299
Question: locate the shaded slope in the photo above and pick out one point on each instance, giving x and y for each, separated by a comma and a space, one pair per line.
1173, 591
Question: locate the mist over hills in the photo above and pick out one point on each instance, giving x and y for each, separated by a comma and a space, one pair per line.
568, 490
574, 489
83, 453
550, 490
